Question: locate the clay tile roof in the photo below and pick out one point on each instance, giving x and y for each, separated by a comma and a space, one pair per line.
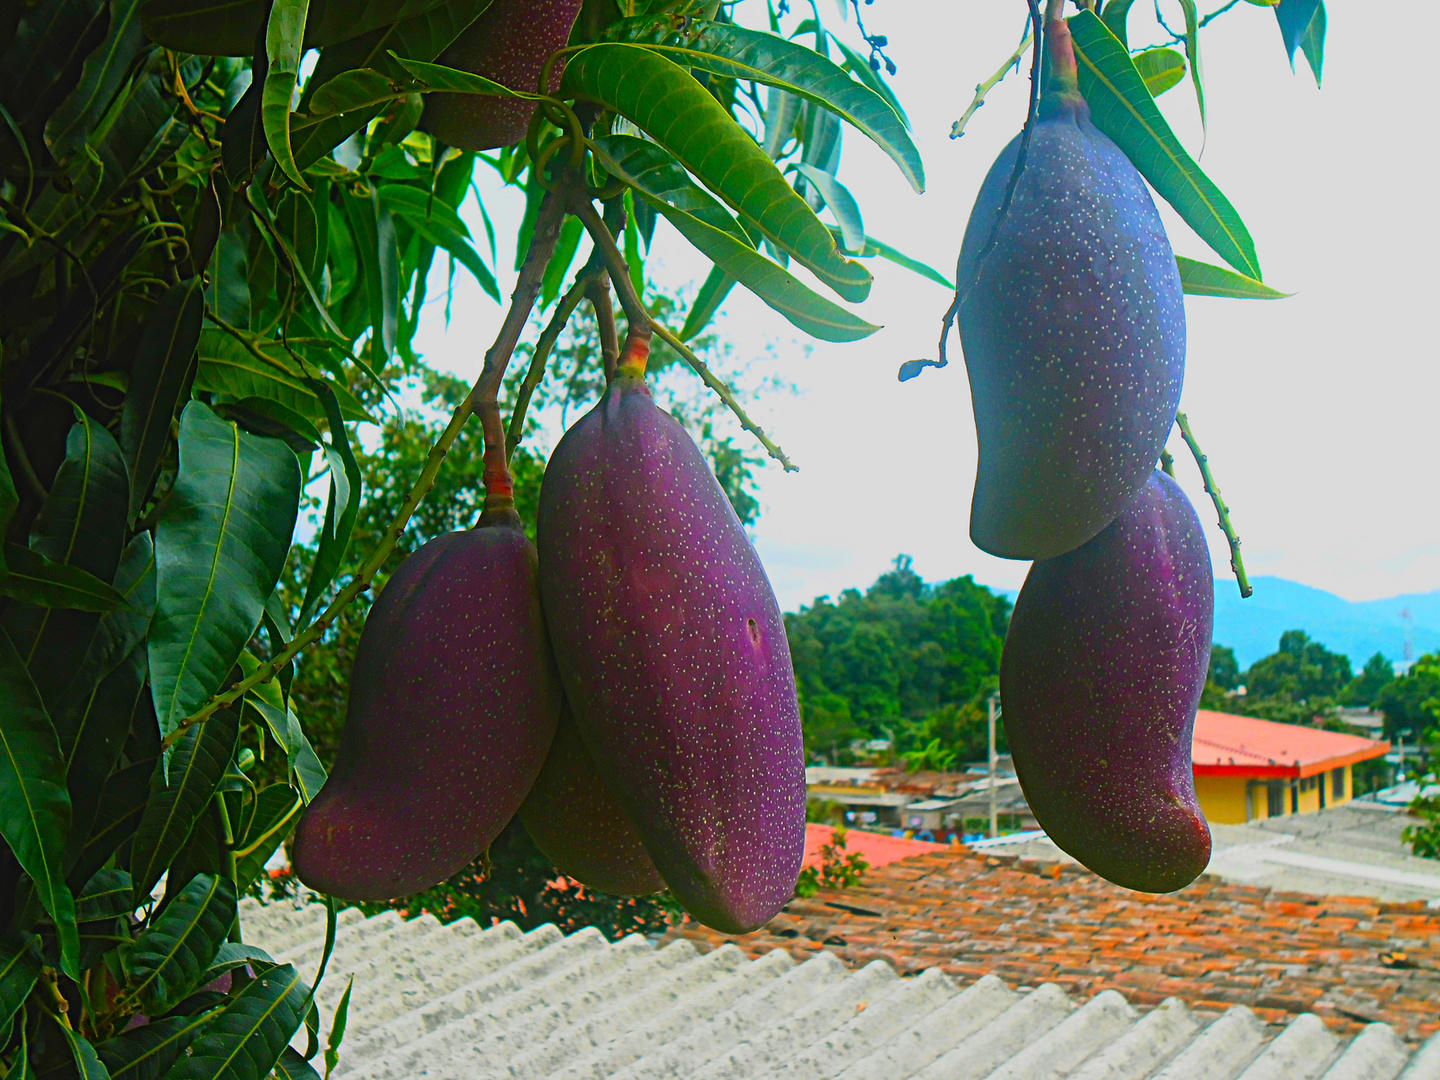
1224, 742
1350, 960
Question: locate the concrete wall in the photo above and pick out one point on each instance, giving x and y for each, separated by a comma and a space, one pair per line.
1234, 800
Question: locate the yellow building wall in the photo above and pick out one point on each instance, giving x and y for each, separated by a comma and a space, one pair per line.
1222, 798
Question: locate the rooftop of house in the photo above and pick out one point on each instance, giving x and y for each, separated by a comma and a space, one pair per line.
1215, 944
1225, 743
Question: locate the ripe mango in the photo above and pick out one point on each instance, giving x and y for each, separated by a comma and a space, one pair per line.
674, 658
1101, 675
453, 705
580, 826
1073, 327
509, 44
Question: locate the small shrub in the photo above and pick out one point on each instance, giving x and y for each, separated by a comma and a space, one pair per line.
839, 868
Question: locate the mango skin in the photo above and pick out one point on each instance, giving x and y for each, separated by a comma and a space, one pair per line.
1074, 339
580, 826
453, 705
1101, 675
674, 658
509, 43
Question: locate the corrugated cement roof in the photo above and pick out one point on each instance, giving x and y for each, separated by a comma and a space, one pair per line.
458, 1001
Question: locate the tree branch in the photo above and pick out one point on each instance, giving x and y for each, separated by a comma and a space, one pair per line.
1237, 565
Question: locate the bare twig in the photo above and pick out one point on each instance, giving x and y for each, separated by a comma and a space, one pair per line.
638, 317
599, 297
1237, 565
482, 395
982, 89
584, 282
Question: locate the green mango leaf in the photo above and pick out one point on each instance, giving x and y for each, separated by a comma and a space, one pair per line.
292, 1066
107, 895
276, 808
196, 768
1302, 26
92, 732
82, 522
879, 248
284, 44
167, 961
227, 367
103, 74
232, 956
753, 55
712, 294
88, 1065
440, 225
1123, 109
341, 510
1202, 279
658, 179
842, 204
219, 552
338, 1023
1160, 68
120, 630
665, 101
1116, 15
34, 801
858, 66
147, 1052
159, 382
245, 1040
21, 1068
122, 802
20, 965
634, 261
36, 580
560, 259
1192, 53
306, 771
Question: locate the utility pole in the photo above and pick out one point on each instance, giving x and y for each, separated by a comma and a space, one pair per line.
993, 714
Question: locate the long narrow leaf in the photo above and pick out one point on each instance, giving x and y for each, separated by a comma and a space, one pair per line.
34, 801
36, 580
219, 552
88, 1065
842, 204
340, 511
147, 1052
712, 294
168, 960
20, 965
284, 43
1123, 109
678, 113
753, 55
245, 1040
1202, 279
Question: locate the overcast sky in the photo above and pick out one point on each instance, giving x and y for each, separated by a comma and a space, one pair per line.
1318, 412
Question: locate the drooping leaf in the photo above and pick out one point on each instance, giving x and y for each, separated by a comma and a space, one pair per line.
20, 965
712, 294
159, 381
219, 552
666, 102
277, 807
842, 204
341, 510
440, 225
1123, 109
284, 44
82, 111
1116, 15
88, 1065
1160, 68
92, 733
1202, 279
306, 771
245, 1040
292, 1066
108, 894
121, 805
705, 223
226, 366
36, 580
560, 259
78, 523
147, 1052
634, 261
168, 960
232, 956
879, 248
737, 52
198, 764
858, 66
1302, 26
338, 1023
1192, 54
34, 802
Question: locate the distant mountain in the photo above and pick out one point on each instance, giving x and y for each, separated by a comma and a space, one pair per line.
1358, 629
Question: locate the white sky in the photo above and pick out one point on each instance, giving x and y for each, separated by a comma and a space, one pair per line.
1318, 412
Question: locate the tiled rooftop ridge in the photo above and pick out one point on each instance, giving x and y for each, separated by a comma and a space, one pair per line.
1213, 945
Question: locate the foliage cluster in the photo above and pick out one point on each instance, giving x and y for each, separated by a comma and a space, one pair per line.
839, 868
905, 658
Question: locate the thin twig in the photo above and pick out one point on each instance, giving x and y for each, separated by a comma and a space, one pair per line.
982, 89
542, 245
1167, 463
911, 368
637, 314
568, 303
1237, 565
599, 297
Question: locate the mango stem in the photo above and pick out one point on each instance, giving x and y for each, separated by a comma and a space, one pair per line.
1237, 564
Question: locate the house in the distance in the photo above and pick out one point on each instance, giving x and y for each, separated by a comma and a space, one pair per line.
1246, 768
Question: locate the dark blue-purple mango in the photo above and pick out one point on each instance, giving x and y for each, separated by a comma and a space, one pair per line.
674, 657
1073, 327
580, 825
1101, 675
509, 44
453, 705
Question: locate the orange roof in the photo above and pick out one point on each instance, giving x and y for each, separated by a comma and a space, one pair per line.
878, 849
1227, 745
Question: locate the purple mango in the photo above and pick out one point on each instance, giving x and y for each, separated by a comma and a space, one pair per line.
579, 824
1103, 667
674, 657
1073, 327
509, 43
453, 705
